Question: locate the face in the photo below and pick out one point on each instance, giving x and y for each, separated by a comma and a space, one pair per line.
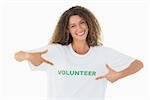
78, 28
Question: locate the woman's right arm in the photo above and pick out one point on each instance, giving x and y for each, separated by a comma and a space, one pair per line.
35, 58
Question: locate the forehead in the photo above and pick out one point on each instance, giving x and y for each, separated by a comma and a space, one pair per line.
75, 19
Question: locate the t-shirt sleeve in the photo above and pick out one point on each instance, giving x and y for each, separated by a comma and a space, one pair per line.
117, 60
44, 66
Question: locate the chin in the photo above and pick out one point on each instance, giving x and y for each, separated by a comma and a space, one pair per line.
81, 38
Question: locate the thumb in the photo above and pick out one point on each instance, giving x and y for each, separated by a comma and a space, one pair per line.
43, 52
108, 67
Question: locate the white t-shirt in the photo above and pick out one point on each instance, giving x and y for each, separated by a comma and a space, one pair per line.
72, 77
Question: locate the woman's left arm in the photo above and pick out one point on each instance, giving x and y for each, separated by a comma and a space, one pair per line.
113, 75
131, 69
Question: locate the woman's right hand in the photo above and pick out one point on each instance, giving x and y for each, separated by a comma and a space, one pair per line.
35, 58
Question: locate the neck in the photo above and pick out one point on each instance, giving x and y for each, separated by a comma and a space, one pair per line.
80, 47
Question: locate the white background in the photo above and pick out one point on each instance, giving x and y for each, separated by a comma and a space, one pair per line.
28, 24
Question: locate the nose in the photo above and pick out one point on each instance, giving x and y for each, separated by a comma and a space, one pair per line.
79, 28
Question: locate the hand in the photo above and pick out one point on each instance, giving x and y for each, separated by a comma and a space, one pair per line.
111, 76
34, 58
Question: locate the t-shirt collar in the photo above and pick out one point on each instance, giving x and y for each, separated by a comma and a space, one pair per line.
79, 55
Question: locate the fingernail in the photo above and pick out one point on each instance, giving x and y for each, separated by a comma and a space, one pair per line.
106, 64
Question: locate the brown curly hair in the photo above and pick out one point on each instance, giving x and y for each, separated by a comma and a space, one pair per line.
61, 35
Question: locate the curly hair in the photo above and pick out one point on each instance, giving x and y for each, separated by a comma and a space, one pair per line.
61, 35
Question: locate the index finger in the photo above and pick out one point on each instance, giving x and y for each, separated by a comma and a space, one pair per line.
100, 77
48, 62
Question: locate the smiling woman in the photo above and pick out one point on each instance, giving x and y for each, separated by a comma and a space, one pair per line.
76, 21
76, 43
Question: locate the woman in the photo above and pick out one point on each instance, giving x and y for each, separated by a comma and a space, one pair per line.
80, 64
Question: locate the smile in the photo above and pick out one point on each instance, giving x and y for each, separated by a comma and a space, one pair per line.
80, 34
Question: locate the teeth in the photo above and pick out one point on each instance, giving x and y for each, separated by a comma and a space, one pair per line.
80, 33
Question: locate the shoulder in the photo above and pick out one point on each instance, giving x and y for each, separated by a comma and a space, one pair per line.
102, 48
105, 50
52, 46
56, 46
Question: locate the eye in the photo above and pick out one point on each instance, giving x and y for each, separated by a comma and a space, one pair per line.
82, 22
72, 26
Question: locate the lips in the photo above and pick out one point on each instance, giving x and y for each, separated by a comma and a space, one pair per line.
80, 34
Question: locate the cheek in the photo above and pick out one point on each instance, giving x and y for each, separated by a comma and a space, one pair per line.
72, 31
85, 27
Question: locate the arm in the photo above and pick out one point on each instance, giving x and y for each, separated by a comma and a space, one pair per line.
113, 75
134, 67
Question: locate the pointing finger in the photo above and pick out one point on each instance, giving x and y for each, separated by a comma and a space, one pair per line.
100, 77
48, 62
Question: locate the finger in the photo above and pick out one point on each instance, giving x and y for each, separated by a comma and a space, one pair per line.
48, 62
108, 67
99, 77
43, 52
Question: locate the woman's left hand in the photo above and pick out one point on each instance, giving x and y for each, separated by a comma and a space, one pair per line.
111, 76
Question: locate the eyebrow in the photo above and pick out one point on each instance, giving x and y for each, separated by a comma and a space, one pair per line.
79, 21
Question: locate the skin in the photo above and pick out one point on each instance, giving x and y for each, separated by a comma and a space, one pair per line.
34, 58
77, 26
79, 30
113, 75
